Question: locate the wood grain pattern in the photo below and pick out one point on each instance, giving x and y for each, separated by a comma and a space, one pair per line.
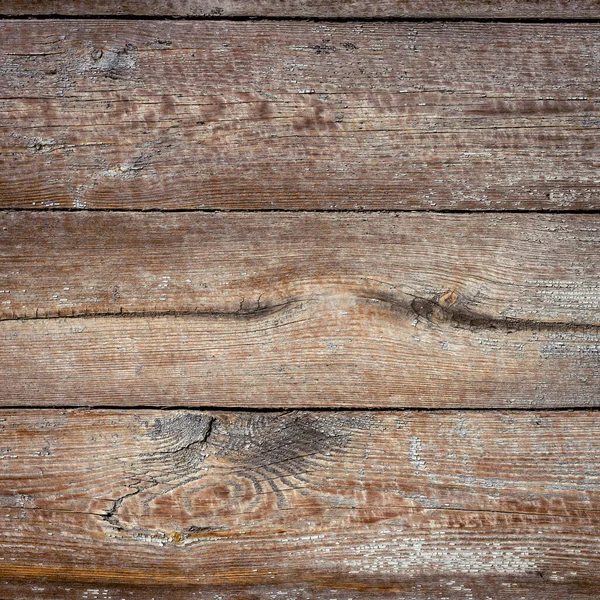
293, 310
163, 114
361, 9
369, 505
104, 306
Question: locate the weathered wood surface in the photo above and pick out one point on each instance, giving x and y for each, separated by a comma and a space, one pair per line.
426, 505
219, 114
360, 9
306, 309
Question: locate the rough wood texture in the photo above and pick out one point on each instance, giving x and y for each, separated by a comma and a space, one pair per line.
307, 309
361, 9
299, 115
427, 505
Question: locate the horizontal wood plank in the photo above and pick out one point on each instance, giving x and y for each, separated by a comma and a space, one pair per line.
360, 9
299, 115
298, 310
369, 505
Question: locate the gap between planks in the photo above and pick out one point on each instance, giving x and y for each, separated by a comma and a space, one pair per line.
312, 409
349, 211
302, 19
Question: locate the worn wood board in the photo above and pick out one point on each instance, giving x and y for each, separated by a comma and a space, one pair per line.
311, 309
299, 115
365, 504
358, 9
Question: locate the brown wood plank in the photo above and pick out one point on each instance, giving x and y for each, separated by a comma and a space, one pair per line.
297, 310
365, 504
218, 114
545, 9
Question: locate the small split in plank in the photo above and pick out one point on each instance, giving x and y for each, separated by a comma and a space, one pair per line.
299, 115
356, 9
300, 310
371, 504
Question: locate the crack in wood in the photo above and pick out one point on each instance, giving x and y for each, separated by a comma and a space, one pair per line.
447, 309
443, 308
436, 311
243, 312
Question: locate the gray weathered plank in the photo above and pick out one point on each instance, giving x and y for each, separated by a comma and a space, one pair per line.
305, 309
312, 505
359, 9
163, 114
